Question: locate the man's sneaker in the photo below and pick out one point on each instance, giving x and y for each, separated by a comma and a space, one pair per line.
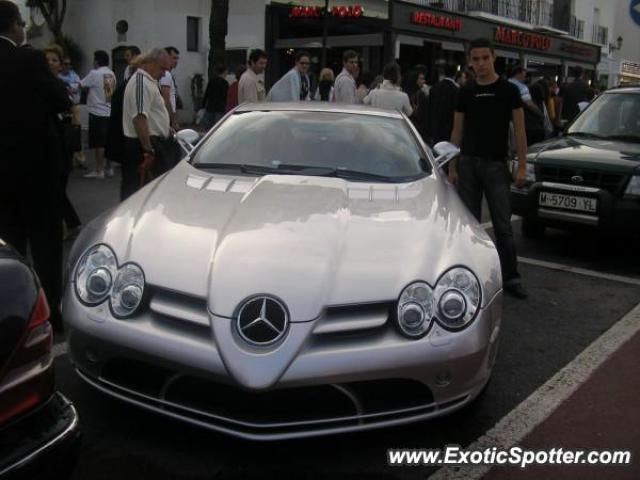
98, 175
516, 290
109, 172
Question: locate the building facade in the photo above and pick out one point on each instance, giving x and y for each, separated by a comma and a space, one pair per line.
548, 36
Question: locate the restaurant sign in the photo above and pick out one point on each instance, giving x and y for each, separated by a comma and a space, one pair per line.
442, 22
343, 11
518, 38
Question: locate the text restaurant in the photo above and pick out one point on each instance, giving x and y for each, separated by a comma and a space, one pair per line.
380, 31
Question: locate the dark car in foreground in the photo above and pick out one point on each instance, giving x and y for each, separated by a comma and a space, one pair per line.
39, 429
590, 176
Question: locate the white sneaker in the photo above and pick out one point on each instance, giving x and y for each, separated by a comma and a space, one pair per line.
98, 175
109, 172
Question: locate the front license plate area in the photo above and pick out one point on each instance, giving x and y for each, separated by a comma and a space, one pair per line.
568, 202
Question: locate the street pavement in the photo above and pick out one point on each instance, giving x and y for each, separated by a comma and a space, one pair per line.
575, 297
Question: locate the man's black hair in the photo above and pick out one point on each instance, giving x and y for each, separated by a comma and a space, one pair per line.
481, 42
516, 70
391, 71
101, 58
300, 54
220, 68
256, 55
171, 50
450, 70
348, 55
578, 71
134, 50
9, 14
240, 69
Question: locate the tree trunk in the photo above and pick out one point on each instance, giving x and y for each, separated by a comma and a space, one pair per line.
53, 12
217, 33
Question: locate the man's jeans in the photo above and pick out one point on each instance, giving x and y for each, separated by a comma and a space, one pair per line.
492, 177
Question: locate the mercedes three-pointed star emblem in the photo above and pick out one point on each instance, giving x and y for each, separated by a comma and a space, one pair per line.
262, 321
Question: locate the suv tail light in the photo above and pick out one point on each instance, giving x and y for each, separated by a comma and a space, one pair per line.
28, 379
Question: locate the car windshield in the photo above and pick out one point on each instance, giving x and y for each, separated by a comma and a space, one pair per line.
614, 116
354, 146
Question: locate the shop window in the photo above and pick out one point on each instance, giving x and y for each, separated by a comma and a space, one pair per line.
193, 34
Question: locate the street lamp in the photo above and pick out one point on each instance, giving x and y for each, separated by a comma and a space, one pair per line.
617, 46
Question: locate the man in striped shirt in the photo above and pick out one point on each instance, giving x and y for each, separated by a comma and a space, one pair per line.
145, 118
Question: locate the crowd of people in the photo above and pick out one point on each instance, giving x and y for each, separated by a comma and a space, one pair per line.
132, 122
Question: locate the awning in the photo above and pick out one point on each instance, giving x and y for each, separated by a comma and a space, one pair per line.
452, 46
543, 60
367, 40
588, 66
507, 54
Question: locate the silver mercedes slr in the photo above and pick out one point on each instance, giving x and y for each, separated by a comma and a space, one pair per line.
305, 270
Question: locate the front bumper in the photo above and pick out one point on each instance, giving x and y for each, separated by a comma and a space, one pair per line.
43, 443
330, 383
612, 213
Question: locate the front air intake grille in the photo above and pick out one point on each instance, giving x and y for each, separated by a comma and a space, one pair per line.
611, 182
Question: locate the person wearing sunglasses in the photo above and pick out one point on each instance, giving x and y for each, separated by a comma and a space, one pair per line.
30, 199
295, 84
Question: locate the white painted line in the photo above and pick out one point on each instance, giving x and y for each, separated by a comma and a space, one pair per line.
580, 271
59, 349
518, 423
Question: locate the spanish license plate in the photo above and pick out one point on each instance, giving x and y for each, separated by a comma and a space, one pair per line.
568, 202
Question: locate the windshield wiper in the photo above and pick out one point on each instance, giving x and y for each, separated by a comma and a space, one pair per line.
586, 134
347, 174
281, 169
624, 138
293, 169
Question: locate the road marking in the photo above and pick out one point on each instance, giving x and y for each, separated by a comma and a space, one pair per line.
521, 421
580, 271
59, 349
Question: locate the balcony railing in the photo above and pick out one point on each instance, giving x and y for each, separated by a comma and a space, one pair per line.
576, 28
535, 12
600, 35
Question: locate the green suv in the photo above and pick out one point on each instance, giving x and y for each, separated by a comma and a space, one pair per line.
589, 176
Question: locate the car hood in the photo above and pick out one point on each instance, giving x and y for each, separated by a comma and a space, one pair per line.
310, 241
574, 152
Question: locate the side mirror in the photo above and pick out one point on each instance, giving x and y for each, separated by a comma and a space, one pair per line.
187, 139
582, 105
445, 152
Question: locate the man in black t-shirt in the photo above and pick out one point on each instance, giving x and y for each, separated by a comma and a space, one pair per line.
481, 127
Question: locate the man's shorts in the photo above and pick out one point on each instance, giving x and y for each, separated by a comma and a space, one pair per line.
98, 127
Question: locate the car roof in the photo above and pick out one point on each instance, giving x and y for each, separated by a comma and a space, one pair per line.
317, 107
624, 89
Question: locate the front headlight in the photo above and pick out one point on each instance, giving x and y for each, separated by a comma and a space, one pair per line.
94, 274
415, 309
530, 175
633, 189
98, 277
458, 294
128, 290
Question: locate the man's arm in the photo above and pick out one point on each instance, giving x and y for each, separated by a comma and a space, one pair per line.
141, 126
533, 107
521, 145
166, 96
456, 139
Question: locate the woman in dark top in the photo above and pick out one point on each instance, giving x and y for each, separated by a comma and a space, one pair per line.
68, 127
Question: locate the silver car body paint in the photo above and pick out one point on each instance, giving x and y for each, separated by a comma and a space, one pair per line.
312, 243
